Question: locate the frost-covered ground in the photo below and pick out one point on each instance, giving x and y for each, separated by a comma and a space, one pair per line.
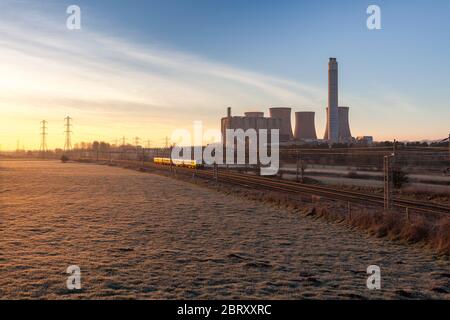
144, 236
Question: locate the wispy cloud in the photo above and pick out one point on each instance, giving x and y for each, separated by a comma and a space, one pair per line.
111, 83
69, 62
52, 68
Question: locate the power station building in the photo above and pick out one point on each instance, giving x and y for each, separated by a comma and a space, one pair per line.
337, 128
251, 120
254, 114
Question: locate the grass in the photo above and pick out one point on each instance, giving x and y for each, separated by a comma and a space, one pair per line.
430, 231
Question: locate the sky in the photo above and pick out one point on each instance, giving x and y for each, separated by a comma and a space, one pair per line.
145, 68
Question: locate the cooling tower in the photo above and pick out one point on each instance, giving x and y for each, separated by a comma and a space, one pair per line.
345, 135
304, 126
332, 131
284, 114
344, 127
254, 114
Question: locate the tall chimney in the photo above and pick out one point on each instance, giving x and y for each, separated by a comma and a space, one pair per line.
229, 112
332, 113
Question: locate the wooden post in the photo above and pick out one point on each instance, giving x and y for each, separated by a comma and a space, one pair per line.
387, 177
170, 157
303, 171
349, 210
407, 215
449, 146
296, 172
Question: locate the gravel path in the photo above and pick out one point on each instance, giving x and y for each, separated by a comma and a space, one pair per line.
138, 235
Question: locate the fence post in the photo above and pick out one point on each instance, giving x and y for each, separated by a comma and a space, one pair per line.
303, 171
349, 210
387, 179
171, 163
449, 146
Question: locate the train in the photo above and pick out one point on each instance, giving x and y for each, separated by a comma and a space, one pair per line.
193, 164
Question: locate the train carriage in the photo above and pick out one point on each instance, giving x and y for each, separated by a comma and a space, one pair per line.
193, 164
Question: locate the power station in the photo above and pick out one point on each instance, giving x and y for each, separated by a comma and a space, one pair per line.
251, 120
337, 129
305, 128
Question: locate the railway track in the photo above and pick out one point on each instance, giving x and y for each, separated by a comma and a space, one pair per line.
253, 181
335, 193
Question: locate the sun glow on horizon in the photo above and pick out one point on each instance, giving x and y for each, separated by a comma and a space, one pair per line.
114, 88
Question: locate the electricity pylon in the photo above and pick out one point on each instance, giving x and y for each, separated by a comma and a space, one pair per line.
43, 148
68, 132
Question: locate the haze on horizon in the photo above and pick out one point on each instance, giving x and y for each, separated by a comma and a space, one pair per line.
147, 68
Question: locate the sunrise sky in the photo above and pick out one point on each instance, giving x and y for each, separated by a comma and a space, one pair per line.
145, 68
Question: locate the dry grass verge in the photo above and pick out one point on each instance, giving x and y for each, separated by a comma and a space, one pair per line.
429, 231
432, 232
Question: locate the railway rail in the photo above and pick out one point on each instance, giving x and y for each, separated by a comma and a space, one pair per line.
337, 194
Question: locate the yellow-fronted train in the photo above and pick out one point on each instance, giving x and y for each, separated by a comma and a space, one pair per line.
193, 164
